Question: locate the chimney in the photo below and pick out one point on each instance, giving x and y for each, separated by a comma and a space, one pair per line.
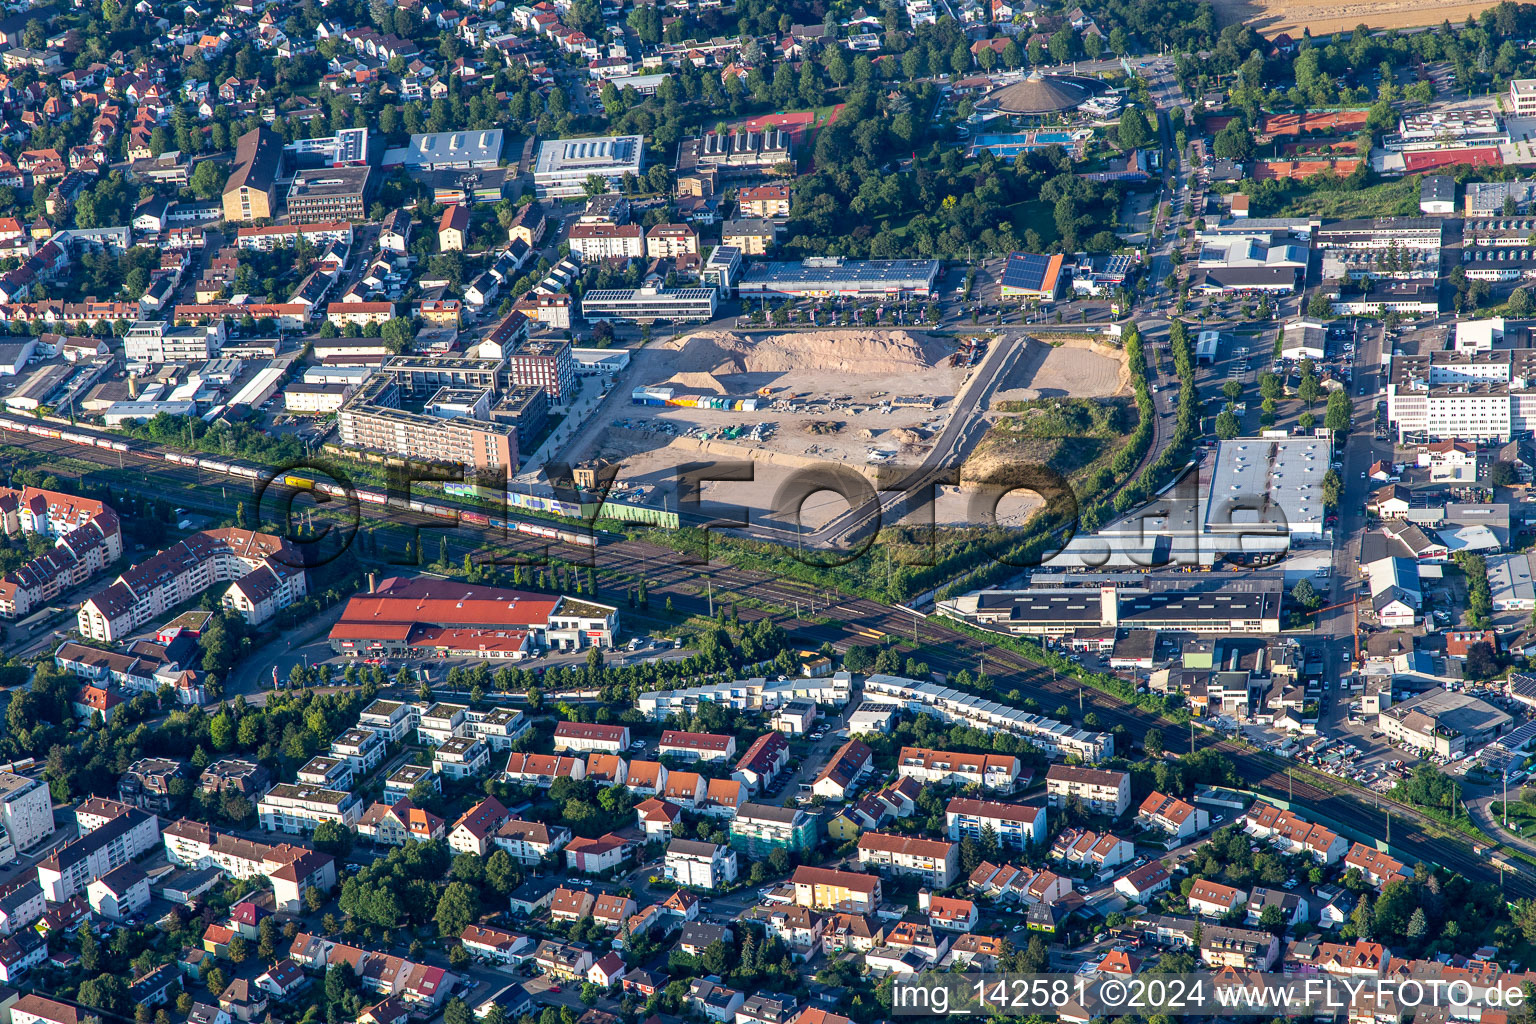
1109, 606
370, 583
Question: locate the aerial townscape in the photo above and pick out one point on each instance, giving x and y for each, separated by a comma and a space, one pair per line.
585, 512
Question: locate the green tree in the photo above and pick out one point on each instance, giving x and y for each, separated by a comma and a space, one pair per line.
1133, 132
457, 908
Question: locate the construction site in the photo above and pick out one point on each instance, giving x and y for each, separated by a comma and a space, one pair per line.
790, 403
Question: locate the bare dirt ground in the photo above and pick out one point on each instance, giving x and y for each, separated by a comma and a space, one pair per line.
1274, 16
870, 401
845, 398
1070, 369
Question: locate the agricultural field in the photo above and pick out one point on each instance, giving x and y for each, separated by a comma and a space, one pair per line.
1275, 16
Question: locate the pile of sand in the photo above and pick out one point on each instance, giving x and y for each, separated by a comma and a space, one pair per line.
694, 381
906, 435
872, 353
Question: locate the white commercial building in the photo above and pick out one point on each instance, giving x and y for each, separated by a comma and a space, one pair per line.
1476, 395
562, 166
1510, 582
1268, 485
1522, 97
683, 304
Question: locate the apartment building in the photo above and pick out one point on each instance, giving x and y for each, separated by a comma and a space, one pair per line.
250, 192
529, 842
547, 364
363, 749
669, 241
1100, 792
1172, 816
589, 736
183, 571
474, 829
20, 905
440, 723
126, 835
1016, 825
608, 241
146, 783
1378, 867
161, 341
764, 201
830, 889
497, 728
119, 893
997, 772
696, 746
87, 538
542, 769
950, 705
292, 870
26, 811
759, 829
934, 861
392, 720
1522, 97
842, 772
372, 419
462, 757
1293, 834
699, 865
299, 809
285, 236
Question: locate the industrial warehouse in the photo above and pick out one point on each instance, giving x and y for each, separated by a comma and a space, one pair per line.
424, 617
646, 304
833, 275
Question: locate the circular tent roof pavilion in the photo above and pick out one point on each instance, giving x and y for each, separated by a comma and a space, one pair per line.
1039, 94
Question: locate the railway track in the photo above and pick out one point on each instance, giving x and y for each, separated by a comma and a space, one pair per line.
857, 620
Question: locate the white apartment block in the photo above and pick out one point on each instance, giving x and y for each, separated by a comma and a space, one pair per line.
498, 728
440, 723
392, 720
999, 772
700, 865
363, 749
292, 870
934, 861
128, 835
608, 241
461, 757
950, 705
1101, 792
757, 694
26, 811
298, 809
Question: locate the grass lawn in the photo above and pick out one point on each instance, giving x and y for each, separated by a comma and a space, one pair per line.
1036, 214
1389, 199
